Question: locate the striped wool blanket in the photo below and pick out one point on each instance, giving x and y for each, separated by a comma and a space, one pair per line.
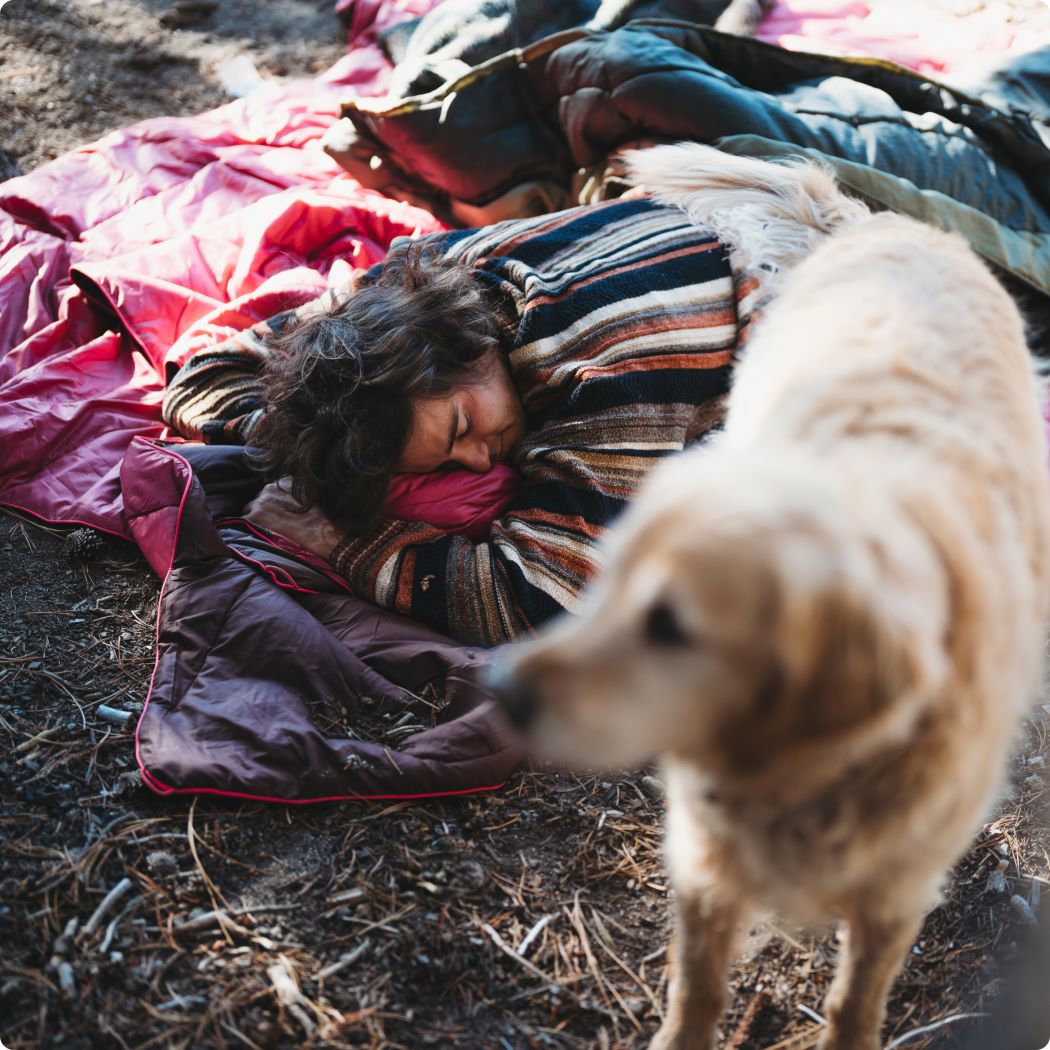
627, 321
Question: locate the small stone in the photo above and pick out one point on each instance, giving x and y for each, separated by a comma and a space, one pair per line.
161, 862
66, 979
1024, 910
653, 787
996, 883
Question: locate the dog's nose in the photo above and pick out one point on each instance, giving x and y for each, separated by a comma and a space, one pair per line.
515, 695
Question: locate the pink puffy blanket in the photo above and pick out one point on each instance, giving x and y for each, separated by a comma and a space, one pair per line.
116, 259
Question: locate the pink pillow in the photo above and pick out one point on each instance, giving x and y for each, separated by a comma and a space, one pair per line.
458, 501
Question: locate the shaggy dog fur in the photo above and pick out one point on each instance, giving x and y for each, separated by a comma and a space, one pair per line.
830, 621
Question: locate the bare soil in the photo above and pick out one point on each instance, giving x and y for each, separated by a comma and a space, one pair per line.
420, 907
536, 916
71, 70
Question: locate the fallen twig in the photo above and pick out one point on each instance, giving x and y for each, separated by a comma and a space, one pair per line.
537, 928
289, 996
34, 740
341, 964
113, 714
226, 924
213, 918
504, 947
811, 1013
107, 902
926, 1029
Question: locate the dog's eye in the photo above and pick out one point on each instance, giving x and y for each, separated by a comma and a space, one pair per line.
663, 628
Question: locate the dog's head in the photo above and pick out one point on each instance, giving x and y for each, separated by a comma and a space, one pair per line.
741, 617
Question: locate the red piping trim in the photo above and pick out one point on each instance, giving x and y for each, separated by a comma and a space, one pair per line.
286, 545
161, 788
143, 772
65, 521
287, 583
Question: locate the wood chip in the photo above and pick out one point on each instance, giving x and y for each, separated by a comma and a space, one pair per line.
289, 996
111, 898
113, 714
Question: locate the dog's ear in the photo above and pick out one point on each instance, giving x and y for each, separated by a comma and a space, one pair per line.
857, 650
850, 659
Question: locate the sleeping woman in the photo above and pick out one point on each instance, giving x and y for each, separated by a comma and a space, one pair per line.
577, 348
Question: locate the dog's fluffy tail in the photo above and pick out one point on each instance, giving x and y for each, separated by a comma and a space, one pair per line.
772, 214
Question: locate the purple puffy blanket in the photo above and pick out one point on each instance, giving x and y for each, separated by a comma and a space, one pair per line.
271, 680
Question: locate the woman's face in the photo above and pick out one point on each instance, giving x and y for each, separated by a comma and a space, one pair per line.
476, 426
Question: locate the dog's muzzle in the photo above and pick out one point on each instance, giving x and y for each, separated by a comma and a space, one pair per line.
517, 698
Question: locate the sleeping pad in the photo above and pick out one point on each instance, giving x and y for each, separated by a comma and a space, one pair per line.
271, 679
541, 120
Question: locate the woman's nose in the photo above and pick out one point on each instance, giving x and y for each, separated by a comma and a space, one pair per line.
474, 455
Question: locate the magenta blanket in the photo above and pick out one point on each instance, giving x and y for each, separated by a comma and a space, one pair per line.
116, 259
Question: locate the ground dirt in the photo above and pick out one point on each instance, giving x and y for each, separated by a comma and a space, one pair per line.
535, 916
71, 70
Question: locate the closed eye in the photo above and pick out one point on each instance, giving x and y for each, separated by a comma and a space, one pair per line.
663, 629
459, 431
459, 428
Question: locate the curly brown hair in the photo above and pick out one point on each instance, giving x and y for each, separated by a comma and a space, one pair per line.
339, 387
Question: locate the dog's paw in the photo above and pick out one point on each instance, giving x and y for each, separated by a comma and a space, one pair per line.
661, 1041
675, 1037
838, 1039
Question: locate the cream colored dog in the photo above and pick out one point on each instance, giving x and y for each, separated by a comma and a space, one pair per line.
829, 622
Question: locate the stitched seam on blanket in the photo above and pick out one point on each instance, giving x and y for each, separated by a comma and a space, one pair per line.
203, 659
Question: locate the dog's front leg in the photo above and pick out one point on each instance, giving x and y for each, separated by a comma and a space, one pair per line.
705, 927
873, 951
